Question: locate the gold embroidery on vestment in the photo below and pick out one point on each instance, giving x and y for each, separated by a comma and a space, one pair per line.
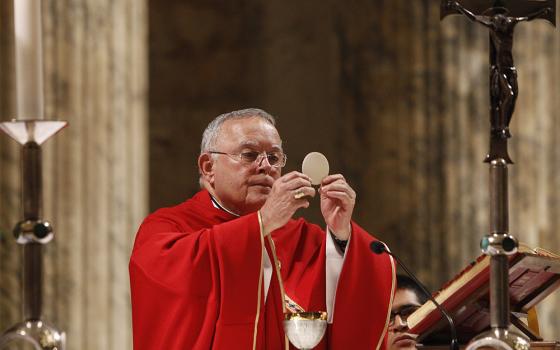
261, 228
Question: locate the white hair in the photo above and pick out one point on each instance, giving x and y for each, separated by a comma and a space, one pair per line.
212, 131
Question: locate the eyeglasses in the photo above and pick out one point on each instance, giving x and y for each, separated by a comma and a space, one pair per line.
275, 159
403, 313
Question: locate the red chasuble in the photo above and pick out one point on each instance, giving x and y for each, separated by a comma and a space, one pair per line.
196, 277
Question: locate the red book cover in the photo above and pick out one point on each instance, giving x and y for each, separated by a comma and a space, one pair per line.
533, 275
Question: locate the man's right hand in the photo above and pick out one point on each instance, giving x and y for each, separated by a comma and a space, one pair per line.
288, 194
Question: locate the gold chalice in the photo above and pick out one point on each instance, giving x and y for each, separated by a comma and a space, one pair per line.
305, 329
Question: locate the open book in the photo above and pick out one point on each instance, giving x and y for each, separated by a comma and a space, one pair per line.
533, 275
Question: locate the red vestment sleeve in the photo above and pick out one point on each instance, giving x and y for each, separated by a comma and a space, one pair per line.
193, 287
364, 296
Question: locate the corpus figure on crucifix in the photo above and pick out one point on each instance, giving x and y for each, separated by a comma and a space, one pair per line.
503, 90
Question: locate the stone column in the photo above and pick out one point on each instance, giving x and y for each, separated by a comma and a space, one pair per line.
534, 179
95, 171
10, 193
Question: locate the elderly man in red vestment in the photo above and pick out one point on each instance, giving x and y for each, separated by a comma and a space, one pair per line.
220, 270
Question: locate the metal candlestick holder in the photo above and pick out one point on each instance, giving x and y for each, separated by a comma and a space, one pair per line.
32, 233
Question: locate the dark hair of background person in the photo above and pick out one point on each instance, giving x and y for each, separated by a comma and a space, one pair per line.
405, 282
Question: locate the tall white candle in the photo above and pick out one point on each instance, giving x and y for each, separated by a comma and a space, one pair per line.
29, 63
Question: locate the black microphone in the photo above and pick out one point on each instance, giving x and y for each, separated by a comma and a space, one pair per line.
379, 248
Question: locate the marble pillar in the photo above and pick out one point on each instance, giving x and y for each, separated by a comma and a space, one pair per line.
95, 171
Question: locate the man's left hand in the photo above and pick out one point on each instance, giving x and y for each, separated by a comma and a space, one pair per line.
337, 204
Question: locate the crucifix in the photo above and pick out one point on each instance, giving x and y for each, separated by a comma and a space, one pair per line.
501, 18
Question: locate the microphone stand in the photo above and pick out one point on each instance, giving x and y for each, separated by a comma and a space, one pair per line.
378, 248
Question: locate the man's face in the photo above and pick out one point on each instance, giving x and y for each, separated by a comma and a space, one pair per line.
242, 187
404, 303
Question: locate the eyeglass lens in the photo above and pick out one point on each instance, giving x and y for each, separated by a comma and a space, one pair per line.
403, 312
273, 158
